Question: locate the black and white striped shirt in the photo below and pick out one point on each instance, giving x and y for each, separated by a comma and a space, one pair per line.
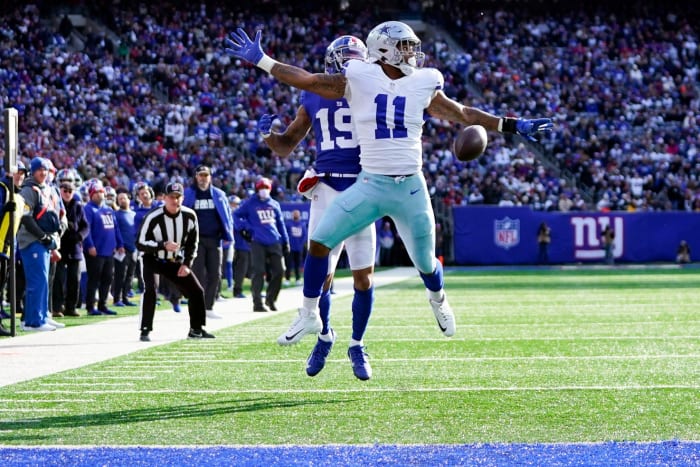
159, 226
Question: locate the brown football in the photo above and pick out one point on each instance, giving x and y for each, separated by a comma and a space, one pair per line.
470, 143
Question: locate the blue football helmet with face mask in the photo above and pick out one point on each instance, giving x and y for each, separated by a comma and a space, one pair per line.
343, 49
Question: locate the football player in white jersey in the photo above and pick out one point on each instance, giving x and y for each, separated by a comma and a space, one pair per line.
335, 169
388, 96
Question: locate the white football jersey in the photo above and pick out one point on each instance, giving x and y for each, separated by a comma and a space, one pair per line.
389, 114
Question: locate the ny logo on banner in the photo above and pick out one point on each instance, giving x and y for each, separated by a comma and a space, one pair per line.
587, 236
506, 232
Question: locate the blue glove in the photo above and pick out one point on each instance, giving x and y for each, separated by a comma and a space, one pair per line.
265, 123
528, 128
240, 46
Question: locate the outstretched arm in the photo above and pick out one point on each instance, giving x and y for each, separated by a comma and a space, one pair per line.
283, 143
242, 47
448, 109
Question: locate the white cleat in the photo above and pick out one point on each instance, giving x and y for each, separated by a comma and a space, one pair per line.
307, 322
444, 316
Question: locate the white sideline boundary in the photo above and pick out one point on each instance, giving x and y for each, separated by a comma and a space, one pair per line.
29, 356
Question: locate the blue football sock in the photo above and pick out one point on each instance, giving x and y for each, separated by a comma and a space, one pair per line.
324, 308
315, 271
434, 281
361, 309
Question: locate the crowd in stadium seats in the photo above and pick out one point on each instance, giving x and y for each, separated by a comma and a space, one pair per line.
623, 92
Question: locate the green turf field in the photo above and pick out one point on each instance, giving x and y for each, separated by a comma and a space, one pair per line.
539, 356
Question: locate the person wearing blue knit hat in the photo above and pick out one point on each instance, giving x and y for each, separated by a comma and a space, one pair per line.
39, 233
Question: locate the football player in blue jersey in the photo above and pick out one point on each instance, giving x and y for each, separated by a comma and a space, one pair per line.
388, 96
336, 167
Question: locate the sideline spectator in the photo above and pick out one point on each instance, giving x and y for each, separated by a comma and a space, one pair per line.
125, 265
39, 234
296, 229
262, 218
683, 253
608, 240
241, 253
215, 226
67, 281
102, 242
544, 238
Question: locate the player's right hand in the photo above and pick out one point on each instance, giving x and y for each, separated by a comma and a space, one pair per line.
528, 128
265, 123
240, 46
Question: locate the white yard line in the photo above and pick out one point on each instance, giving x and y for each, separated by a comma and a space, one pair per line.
211, 361
365, 389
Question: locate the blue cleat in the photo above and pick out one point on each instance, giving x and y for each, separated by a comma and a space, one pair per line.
360, 363
107, 311
317, 358
93, 312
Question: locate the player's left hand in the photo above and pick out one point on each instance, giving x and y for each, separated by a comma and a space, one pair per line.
265, 123
240, 46
528, 128
285, 249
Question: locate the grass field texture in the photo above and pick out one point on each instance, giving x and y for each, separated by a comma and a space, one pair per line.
539, 356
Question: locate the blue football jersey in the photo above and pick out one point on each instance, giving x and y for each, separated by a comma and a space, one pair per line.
337, 150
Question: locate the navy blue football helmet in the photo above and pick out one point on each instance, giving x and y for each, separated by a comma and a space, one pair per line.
343, 49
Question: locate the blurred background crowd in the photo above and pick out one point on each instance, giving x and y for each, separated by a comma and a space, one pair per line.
130, 91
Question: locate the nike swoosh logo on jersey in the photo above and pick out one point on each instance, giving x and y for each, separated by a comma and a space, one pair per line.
289, 338
413, 192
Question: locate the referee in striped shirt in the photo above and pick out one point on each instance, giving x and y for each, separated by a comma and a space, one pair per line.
168, 238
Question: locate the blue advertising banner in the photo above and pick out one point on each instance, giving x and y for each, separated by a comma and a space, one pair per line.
493, 235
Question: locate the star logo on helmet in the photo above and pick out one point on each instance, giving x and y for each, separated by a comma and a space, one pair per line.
385, 29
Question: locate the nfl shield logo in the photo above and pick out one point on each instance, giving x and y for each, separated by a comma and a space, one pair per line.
506, 232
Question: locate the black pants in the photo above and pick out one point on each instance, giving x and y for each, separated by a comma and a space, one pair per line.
241, 269
207, 268
100, 271
5, 283
123, 277
66, 285
189, 286
294, 263
260, 255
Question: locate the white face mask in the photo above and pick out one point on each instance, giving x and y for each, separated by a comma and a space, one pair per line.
264, 193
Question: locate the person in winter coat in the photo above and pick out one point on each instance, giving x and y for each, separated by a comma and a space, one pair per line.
261, 222
43, 221
100, 245
66, 286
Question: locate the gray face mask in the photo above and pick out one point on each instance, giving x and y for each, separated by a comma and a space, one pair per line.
264, 193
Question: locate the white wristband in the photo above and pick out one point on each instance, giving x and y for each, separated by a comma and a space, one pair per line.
266, 63
500, 125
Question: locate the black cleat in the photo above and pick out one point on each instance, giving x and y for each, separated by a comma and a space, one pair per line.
199, 334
